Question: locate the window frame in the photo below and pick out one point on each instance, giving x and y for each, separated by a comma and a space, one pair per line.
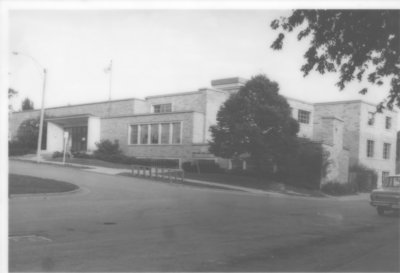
386, 152
388, 123
161, 110
371, 119
303, 116
149, 132
370, 152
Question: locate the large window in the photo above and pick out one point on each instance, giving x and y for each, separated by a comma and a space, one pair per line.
165, 133
371, 118
156, 133
162, 108
134, 134
386, 150
370, 148
176, 133
144, 134
388, 123
304, 116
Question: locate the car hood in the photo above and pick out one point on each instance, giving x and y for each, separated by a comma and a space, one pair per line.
389, 190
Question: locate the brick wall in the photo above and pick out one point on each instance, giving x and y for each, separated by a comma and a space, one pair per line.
190, 101
117, 128
102, 109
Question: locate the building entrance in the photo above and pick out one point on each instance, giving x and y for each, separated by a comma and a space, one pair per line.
78, 136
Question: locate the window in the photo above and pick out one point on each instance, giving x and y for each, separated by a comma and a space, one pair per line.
371, 118
144, 134
155, 133
386, 150
165, 133
134, 134
388, 123
370, 148
162, 108
304, 116
384, 176
176, 133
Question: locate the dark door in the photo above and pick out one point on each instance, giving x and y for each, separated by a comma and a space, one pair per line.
78, 137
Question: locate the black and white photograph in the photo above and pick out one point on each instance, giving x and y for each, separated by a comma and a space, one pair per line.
190, 136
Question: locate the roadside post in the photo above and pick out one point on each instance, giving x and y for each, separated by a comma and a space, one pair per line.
65, 145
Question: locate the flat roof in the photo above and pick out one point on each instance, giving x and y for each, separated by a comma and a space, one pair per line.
80, 104
232, 80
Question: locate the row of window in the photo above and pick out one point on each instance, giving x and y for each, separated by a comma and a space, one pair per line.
371, 149
371, 120
155, 133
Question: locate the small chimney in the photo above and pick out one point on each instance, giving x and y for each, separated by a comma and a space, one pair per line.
228, 84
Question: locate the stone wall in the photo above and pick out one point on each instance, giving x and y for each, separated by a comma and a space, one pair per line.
305, 130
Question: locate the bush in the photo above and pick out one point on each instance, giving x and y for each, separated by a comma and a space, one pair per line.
16, 148
107, 148
57, 154
202, 166
306, 166
363, 177
81, 155
336, 188
109, 151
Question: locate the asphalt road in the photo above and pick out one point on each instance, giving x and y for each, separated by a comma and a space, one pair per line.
125, 224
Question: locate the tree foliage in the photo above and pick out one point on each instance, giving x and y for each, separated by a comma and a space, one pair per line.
28, 133
359, 44
256, 121
27, 104
11, 93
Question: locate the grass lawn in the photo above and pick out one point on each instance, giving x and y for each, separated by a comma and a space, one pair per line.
251, 182
23, 184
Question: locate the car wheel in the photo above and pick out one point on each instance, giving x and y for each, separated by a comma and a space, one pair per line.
381, 211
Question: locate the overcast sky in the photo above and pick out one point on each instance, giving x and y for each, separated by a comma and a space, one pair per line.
156, 52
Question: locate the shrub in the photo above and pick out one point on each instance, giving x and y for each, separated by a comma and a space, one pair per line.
336, 188
81, 155
203, 166
107, 148
306, 166
16, 148
57, 154
363, 177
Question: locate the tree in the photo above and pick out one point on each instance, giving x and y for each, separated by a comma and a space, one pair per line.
28, 133
11, 93
359, 44
27, 104
256, 121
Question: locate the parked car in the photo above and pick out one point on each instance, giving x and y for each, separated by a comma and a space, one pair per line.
387, 197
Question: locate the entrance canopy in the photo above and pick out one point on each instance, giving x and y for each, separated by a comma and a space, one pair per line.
83, 132
71, 120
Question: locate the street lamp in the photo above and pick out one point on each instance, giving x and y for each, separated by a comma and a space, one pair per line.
44, 71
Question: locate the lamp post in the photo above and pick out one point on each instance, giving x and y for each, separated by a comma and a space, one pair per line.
44, 71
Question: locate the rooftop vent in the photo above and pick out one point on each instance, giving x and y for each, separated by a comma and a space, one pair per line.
228, 84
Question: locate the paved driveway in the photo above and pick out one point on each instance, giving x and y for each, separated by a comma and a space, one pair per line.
125, 224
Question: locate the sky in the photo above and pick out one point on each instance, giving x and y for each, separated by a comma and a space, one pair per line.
156, 52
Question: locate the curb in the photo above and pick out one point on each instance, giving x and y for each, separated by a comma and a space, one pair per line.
50, 194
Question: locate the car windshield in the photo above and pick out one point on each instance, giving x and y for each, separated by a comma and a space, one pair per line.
392, 181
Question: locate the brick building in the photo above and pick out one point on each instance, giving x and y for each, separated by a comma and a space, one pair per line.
175, 126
